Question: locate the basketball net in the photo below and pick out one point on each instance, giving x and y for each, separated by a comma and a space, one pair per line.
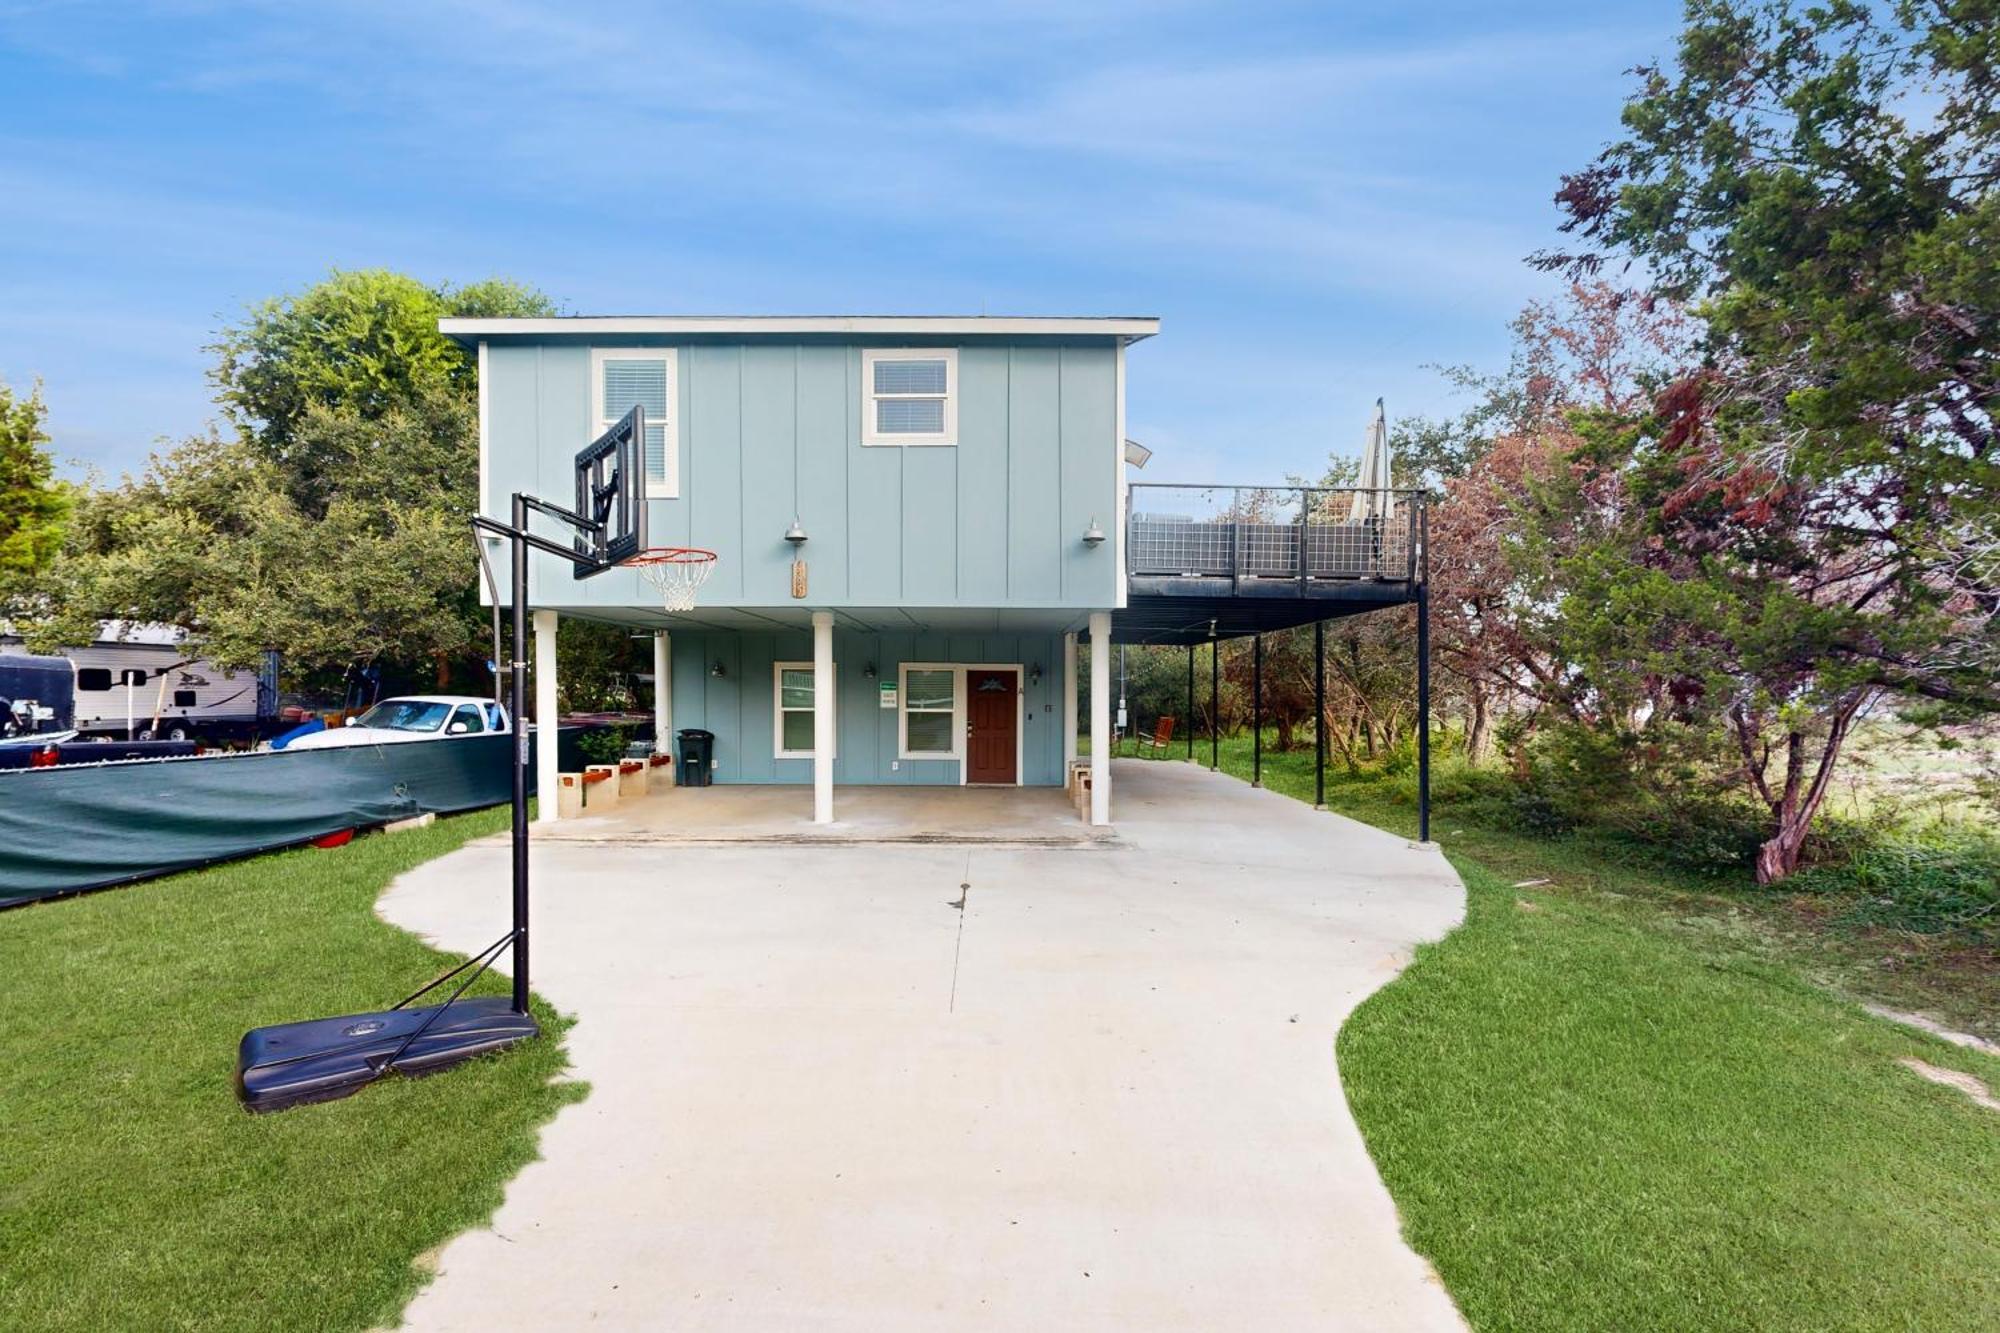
675, 572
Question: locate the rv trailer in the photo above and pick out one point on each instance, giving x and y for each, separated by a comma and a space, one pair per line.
37, 697
145, 682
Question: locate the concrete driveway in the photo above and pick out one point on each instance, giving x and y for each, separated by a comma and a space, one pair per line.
928, 1086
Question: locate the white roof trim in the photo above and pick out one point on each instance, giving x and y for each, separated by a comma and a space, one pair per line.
1131, 328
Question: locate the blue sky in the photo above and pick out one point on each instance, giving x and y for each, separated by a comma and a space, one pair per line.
1320, 201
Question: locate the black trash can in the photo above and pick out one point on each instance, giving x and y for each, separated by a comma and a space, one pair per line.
697, 750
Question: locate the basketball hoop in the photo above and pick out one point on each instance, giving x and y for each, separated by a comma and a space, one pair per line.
675, 572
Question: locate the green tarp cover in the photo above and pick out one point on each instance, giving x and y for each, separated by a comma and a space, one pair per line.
84, 827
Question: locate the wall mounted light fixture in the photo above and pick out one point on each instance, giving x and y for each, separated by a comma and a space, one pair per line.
1035, 674
869, 671
1093, 535
796, 534
716, 670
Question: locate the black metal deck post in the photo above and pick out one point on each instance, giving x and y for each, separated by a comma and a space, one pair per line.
1214, 703
1256, 710
1319, 715
1423, 711
517, 708
1190, 705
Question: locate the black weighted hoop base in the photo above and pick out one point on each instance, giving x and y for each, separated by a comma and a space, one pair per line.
320, 1059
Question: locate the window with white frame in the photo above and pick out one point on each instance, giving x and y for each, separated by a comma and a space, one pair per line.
910, 395
622, 378
792, 708
930, 712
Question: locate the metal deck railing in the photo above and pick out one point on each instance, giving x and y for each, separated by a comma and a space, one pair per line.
1302, 533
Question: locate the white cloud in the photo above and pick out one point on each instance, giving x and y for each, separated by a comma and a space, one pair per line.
1343, 194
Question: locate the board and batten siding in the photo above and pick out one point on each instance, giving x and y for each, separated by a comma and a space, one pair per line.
737, 704
769, 430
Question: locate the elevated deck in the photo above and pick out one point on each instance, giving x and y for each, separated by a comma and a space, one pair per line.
1220, 562
1207, 563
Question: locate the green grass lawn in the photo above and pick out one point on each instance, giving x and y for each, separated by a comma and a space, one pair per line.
1954, 977
1603, 1104
134, 1190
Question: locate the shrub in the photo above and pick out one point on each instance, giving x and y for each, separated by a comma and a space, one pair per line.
1942, 878
1667, 796
1663, 791
605, 745
1708, 833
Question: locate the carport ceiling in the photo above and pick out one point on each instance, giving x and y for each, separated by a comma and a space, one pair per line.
861, 619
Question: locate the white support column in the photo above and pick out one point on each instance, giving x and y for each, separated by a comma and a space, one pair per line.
545, 716
823, 706
663, 695
1069, 702
1100, 717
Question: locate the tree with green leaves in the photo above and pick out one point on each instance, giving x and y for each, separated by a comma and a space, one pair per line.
1817, 507
1595, 348
33, 504
355, 349
208, 538
333, 526
1823, 181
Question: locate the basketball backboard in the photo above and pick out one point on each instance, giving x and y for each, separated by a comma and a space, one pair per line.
611, 493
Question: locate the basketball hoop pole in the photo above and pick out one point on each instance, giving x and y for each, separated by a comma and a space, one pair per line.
590, 551
520, 539
288, 1064
517, 708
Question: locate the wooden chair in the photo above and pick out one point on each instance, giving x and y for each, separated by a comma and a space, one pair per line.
1162, 734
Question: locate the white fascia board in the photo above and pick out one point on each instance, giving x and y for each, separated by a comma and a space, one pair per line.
1126, 328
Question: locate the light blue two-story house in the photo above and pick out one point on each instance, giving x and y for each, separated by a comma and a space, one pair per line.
929, 509
914, 520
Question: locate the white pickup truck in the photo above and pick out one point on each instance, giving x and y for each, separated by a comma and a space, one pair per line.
411, 717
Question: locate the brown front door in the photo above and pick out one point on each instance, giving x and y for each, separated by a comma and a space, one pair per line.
989, 726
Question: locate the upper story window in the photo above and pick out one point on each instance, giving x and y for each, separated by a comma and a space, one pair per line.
622, 378
910, 395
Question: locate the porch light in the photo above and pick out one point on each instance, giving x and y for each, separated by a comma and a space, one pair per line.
1093, 535
1035, 674
716, 670
796, 534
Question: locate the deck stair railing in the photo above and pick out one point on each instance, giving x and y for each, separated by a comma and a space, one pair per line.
1303, 533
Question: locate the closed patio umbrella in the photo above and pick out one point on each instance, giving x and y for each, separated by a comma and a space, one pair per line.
1371, 497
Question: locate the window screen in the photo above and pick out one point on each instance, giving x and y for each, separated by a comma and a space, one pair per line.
911, 396
929, 704
910, 376
795, 709
909, 416
627, 381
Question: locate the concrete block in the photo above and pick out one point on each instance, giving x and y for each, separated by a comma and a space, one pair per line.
602, 794
569, 795
424, 820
